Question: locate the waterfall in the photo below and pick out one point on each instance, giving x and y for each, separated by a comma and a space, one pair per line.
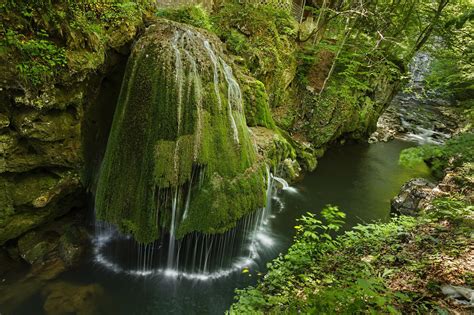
179, 143
234, 96
416, 114
197, 256
215, 66
285, 185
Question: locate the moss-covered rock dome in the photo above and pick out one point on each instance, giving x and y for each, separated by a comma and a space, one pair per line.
179, 157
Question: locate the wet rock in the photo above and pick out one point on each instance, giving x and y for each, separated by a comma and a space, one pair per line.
29, 200
411, 194
4, 121
388, 126
290, 169
15, 291
57, 98
52, 126
66, 298
36, 247
65, 239
72, 245
280, 154
23, 155
414, 119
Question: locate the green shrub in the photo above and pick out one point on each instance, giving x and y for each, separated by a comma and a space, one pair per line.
41, 58
455, 152
353, 272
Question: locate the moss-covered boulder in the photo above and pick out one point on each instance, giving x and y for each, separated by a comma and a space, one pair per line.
179, 157
29, 200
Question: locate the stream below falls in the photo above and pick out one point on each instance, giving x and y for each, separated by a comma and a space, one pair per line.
359, 178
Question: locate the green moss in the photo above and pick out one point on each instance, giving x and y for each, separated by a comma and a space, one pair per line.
47, 42
51, 126
264, 37
225, 201
30, 200
192, 15
257, 107
169, 127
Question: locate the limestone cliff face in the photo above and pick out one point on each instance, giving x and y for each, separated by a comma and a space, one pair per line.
42, 132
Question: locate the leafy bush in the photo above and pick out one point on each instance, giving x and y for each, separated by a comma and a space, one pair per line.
455, 152
300, 282
370, 269
41, 58
450, 208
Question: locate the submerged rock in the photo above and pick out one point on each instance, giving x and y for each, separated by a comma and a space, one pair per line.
34, 247
65, 298
29, 200
72, 245
64, 239
411, 194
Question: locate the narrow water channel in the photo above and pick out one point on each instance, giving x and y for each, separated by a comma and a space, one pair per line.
359, 178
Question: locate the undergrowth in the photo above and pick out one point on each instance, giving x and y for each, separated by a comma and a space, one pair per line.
390, 268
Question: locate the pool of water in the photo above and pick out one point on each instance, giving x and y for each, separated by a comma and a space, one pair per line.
359, 178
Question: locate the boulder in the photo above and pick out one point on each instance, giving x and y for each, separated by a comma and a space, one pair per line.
407, 202
71, 245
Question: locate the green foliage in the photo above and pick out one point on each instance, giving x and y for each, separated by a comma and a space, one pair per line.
449, 208
455, 152
193, 15
452, 71
264, 37
298, 282
41, 58
353, 273
44, 39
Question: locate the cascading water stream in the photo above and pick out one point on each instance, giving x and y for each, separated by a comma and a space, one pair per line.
416, 114
201, 149
197, 256
284, 184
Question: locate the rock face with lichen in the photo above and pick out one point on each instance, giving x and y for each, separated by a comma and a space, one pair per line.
42, 122
180, 156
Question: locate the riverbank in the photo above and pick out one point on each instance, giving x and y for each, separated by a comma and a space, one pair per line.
411, 264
